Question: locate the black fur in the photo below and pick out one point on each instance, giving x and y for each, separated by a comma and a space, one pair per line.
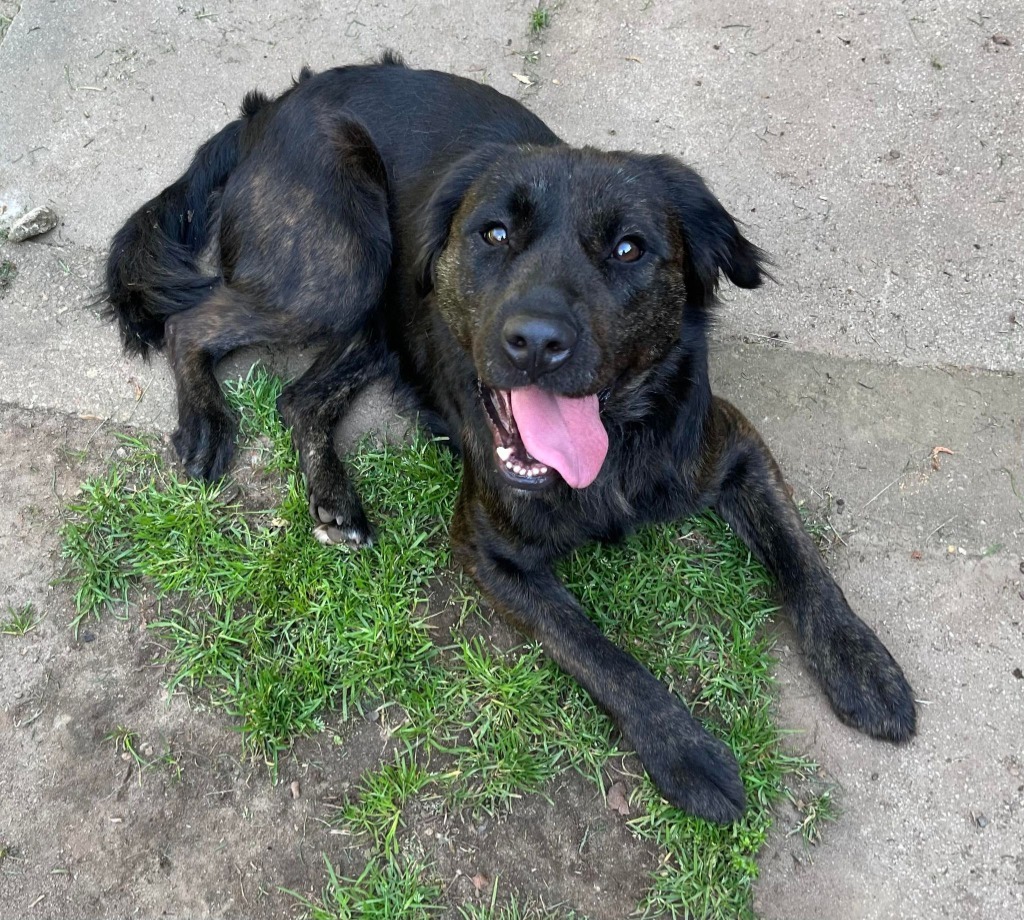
427, 228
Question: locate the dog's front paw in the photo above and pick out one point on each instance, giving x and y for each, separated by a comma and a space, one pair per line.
205, 443
864, 684
692, 770
333, 527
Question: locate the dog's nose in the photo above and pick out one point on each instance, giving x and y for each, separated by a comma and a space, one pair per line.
537, 344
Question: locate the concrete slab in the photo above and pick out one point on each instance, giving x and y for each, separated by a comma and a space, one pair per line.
932, 830
913, 259
930, 554
875, 149
111, 99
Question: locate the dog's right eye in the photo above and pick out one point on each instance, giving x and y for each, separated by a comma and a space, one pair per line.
628, 249
496, 235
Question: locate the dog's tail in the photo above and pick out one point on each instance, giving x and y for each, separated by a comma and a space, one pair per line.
152, 268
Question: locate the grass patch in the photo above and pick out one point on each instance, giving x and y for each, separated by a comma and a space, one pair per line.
18, 621
8, 270
126, 744
5, 21
386, 890
282, 633
513, 909
817, 810
540, 19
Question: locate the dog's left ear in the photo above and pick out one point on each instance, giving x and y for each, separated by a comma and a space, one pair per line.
712, 240
434, 220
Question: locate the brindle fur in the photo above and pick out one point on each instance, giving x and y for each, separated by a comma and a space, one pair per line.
348, 213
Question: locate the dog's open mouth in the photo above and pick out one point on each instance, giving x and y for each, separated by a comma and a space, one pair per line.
538, 434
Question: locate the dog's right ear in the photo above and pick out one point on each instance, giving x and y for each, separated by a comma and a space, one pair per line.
434, 221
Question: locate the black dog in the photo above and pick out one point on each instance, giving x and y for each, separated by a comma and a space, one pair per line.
549, 307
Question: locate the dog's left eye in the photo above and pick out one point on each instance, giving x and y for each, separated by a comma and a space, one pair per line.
496, 235
628, 249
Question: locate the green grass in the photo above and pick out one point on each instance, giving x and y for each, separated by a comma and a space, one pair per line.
540, 19
283, 633
5, 24
18, 621
128, 746
816, 811
511, 908
8, 270
386, 890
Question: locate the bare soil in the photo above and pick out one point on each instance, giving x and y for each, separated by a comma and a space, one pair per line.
203, 832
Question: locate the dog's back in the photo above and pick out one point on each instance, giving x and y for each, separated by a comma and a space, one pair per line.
393, 127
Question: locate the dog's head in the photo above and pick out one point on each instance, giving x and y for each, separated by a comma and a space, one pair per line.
564, 273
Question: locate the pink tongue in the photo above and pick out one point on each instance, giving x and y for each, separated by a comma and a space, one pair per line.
562, 433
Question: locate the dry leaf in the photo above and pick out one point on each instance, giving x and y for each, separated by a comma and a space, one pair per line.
916, 554
617, 799
523, 78
480, 882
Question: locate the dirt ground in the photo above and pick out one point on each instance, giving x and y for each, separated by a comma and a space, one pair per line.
202, 832
929, 830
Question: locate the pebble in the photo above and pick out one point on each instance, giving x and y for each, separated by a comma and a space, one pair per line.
33, 223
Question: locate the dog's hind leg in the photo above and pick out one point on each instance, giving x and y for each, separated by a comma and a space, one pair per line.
196, 340
312, 406
863, 682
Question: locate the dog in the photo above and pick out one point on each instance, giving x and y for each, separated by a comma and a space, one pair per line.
548, 306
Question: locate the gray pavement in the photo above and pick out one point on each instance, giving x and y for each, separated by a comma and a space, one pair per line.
875, 149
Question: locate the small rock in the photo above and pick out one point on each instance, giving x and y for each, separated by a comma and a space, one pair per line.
981, 821
617, 799
296, 790
1000, 39
34, 223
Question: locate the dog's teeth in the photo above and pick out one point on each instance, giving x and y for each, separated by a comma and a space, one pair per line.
542, 470
508, 464
503, 452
